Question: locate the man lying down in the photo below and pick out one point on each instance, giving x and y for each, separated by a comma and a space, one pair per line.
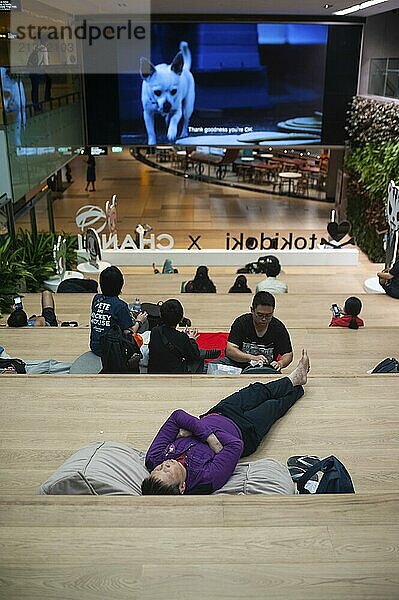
191, 455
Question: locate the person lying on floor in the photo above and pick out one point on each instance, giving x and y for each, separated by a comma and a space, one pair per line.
48, 318
191, 455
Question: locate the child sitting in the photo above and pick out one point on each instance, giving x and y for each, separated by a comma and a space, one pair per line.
349, 316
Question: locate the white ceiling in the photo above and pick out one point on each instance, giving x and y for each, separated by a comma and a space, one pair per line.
207, 7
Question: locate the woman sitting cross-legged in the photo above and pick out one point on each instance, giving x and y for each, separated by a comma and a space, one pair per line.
201, 284
191, 455
240, 286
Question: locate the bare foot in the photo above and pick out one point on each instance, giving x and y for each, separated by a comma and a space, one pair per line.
299, 375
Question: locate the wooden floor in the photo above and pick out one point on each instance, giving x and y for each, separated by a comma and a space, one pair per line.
227, 547
113, 548
234, 547
54, 415
334, 351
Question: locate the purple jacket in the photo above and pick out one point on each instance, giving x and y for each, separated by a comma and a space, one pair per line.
206, 471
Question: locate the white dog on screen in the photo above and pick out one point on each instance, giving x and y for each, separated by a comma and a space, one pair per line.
168, 90
14, 103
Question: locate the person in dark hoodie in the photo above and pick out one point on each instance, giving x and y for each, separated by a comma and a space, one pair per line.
201, 284
240, 286
191, 455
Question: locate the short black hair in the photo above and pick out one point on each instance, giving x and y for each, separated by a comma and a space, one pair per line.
263, 299
111, 281
17, 318
352, 307
272, 266
152, 487
171, 312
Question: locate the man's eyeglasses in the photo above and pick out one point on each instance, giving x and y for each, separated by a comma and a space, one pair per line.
263, 316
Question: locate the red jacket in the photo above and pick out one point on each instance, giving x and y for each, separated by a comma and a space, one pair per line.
344, 321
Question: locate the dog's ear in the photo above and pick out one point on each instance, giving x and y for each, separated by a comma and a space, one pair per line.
177, 64
146, 68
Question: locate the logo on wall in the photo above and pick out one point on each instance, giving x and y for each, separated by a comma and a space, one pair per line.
392, 213
89, 215
59, 255
338, 232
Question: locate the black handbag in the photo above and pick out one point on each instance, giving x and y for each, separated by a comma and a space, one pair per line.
335, 478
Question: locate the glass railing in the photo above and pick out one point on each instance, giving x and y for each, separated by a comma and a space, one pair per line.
39, 123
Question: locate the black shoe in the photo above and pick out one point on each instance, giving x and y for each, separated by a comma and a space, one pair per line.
208, 354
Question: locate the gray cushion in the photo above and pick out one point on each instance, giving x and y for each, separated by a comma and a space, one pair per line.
263, 476
110, 468
101, 468
87, 363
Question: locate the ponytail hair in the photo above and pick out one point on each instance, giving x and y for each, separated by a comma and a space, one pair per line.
353, 323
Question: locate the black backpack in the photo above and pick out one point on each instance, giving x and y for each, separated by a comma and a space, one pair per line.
119, 352
388, 365
74, 285
335, 479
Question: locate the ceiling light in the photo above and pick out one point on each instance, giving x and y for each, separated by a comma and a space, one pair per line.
356, 7
328, 6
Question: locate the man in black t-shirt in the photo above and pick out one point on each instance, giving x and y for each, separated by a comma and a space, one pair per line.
259, 336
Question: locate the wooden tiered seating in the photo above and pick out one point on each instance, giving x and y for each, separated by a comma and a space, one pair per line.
102, 547
82, 548
333, 351
212, 312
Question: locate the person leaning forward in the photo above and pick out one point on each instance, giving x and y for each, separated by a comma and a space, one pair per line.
259, 336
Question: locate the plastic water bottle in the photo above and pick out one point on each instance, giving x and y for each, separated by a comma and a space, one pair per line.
136, 307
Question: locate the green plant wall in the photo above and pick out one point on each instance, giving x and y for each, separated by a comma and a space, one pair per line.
372, 161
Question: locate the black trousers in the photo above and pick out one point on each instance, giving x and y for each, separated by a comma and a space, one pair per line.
36, 79
256, 407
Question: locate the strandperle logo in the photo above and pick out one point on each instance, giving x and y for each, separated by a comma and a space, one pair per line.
84, 31
96, 42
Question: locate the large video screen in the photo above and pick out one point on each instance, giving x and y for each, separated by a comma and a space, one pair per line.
219, 84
